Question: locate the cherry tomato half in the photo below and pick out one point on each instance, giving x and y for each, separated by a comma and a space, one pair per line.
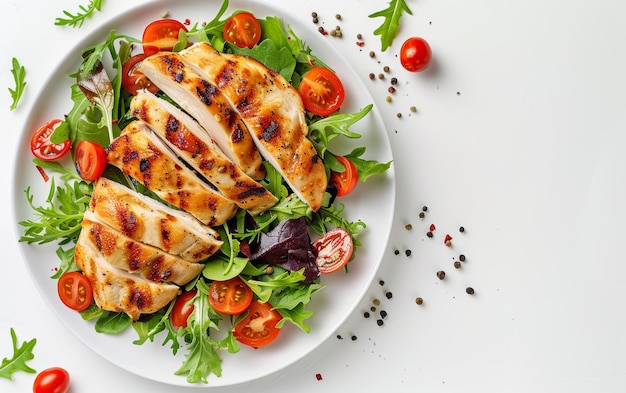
91, 159
75, 290
52, 380
133, 79
161, 35
182, 309
322, 91
347, 180
334, 250
415, 54
231, 297
43, 148
242, 30
258, 327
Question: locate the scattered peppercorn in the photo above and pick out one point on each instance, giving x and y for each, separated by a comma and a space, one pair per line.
462, 258
381, 283
448, 240
383, 314
314, 14
457, 264
353, 338
429, 234
381, 76
397, 252
318, 376
359, 36
386, 68
461, 229
391, 89
469, 290
441, 274
379, 322
372, 54
458, 93
376, 302
372, 76
398, 115
422, 215
339, 337
413, 109
315, 20
408, 227
419, 301
388, 295
373, 309
424, 208
338, 17
320, 29
394, 81
388, 99
407, 253
366, 314
333, 33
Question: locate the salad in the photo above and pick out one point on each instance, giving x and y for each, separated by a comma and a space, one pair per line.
247, 290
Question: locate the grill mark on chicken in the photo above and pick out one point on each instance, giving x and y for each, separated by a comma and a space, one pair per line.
273, 113
205, 102
199, 151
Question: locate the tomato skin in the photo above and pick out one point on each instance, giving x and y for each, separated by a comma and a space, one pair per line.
415, 54
75, 290
230, 297
258, 327
347, 180
133, 79
242, 30
321, 91
334, 250
43, 148
161, 35
52, 380
182, 309
91, 159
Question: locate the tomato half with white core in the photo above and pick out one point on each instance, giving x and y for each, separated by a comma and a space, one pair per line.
347, 180
75, 290
230, 297
42, 147
258, 327
182, 309
161, 35
52, 380
242, 30
91, 160
415, 54
321, 91
133, 79
334, 250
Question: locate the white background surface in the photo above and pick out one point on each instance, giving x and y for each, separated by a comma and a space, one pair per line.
518, 137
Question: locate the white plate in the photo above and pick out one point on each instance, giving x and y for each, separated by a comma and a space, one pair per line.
372, 202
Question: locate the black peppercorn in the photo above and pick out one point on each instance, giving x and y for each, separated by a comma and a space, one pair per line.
441, 274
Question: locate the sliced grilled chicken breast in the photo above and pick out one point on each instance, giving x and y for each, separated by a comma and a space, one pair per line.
149, 221
208, 106
132, 256
117, 290
273, 112
139, 153
185, 136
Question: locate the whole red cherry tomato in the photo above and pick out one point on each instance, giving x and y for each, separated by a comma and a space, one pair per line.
52, 380
415, 54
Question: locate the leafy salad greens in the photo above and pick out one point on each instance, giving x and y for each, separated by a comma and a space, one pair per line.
100, 112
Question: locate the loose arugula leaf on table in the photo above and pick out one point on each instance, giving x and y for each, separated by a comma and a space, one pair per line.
78, 19
21, 355
392, 14
19, 76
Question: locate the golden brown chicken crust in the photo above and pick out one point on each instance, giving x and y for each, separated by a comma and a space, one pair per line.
138, 154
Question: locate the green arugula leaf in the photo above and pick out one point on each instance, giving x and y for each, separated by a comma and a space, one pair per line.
78, 19
273, 56
19, 76
21, 355
324, 130
392, 14
112, 322
366, 168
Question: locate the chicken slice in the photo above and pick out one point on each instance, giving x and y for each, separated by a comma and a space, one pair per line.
142, 155
132, 256
117, 290
185, 136
208, 106
273, 112
147, 220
